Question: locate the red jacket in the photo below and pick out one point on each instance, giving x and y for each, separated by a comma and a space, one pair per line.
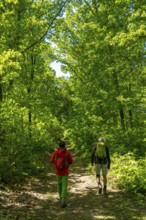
70, 161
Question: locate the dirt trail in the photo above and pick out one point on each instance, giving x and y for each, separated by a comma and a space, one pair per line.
38, 200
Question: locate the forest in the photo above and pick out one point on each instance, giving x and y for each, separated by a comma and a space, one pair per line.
101, 47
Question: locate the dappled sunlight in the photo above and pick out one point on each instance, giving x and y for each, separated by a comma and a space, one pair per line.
38, 200
81, 184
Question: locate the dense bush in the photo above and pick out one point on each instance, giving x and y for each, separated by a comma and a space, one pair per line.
128, 173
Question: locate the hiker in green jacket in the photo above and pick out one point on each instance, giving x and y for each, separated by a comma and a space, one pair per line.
101, 158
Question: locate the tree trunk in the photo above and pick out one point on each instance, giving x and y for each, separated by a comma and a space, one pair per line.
1, 93
131, 118
122, 118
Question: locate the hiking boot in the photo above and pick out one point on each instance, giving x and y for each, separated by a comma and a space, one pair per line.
63, 205
99, 188
104, 190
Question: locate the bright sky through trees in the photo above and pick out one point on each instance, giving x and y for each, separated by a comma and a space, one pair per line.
57, 67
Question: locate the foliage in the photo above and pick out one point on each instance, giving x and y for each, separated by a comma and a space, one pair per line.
101, 44
128, 173
29, 91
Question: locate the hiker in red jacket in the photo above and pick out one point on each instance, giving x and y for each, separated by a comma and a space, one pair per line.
62, 159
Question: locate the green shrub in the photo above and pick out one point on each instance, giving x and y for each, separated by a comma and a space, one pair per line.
128, 173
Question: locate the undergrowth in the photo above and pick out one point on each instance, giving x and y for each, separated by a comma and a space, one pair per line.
127, 173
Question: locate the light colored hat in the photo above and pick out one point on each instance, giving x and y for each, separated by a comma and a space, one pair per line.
101, 139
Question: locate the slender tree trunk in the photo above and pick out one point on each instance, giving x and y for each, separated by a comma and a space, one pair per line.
33, 60
122, 118
131, 118
1, 93
1, 129
30, 123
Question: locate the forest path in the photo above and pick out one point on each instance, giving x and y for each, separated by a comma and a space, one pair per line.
38, 200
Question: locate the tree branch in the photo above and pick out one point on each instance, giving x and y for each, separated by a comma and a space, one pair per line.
36, 42
90, 7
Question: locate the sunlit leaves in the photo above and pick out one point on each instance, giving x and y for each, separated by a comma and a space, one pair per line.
129, 175
29, 91
9, 65
102, 46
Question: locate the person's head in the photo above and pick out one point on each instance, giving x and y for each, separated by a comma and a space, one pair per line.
101, 139
62, 144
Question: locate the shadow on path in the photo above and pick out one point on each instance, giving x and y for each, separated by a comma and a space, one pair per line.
38, 200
